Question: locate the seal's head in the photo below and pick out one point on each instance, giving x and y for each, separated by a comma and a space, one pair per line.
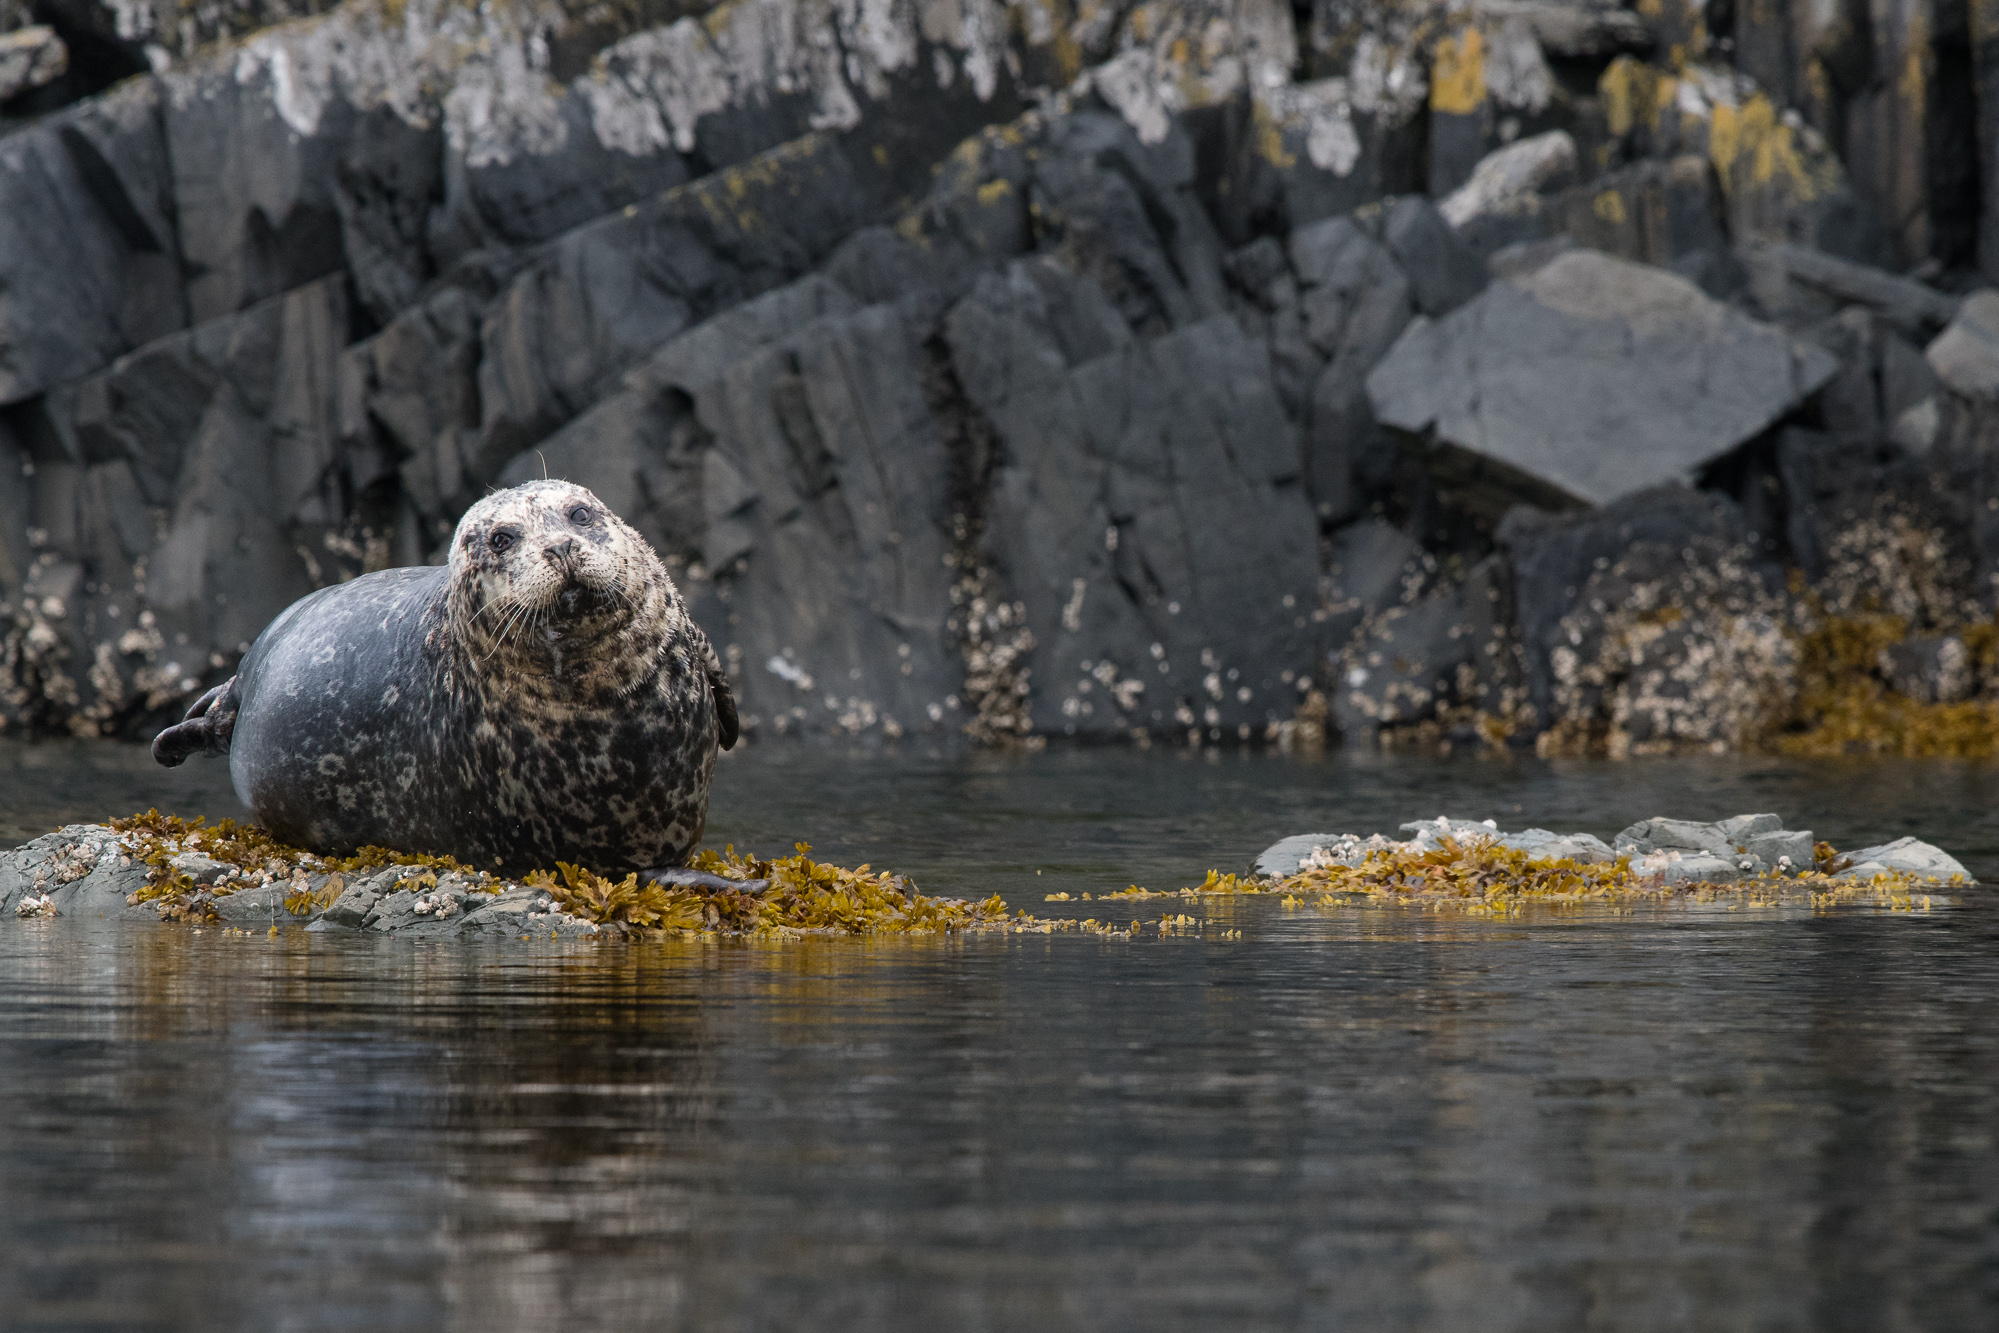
545, 571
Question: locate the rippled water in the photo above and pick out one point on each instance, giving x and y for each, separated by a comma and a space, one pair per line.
1367, 1119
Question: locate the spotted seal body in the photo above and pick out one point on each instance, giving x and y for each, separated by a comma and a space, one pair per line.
544, 697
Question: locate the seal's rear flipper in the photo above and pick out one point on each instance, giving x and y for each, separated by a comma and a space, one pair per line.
205, 727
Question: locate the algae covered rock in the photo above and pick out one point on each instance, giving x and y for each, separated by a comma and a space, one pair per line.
1653, 858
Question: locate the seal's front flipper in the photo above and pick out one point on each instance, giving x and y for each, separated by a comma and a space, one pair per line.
678, 877
205, 727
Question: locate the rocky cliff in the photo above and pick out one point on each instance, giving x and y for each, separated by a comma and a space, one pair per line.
1497, 372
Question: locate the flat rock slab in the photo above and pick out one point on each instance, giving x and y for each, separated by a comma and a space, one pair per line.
1591, 378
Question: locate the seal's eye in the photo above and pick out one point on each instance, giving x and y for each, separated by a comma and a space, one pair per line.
500, 541
580, 515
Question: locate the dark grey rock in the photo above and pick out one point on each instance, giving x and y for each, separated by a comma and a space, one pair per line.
210, 466
1592, 378
1354, 302
90, 259
1443, 271
1553, 557
786, 454
1126, 472
29, 58
1370, 567
1403, 664
1916, 309
201, 869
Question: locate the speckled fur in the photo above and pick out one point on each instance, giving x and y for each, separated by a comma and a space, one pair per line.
545, 697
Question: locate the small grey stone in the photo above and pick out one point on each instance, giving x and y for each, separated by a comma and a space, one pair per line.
1649, 835
1773, 847
351, 908
259, 903
1542, 845
199, 868
1702, 868
1743, 827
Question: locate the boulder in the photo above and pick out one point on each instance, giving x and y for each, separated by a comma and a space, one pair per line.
1590, 379
1965, 356
1907, 856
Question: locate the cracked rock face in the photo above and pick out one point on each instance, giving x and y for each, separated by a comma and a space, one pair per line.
998, 369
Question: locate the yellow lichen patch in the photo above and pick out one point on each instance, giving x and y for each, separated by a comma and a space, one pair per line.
1633, 91
1457, 79
1609, 206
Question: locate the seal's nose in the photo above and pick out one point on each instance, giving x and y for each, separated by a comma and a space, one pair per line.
560, 553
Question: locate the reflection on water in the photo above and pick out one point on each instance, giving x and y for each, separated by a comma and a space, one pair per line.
1369, 1119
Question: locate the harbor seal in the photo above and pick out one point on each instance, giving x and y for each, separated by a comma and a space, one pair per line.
543, 697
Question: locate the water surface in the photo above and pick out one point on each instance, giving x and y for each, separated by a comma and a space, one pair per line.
1372, 1118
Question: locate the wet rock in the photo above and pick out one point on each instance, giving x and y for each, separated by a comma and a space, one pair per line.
201, 869
1371, 566
1965, 356
1533, 378
1542, 845
1283, 858
1781, 850
1903, 856
79, 871
1652, 835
